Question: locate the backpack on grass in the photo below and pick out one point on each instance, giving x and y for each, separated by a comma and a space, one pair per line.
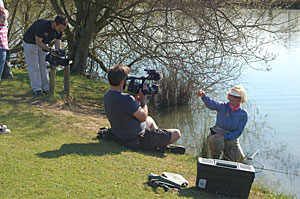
168, 181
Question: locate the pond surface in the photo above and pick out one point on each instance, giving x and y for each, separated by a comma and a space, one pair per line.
274, 118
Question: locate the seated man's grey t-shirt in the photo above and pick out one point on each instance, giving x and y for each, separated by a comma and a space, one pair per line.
119, 108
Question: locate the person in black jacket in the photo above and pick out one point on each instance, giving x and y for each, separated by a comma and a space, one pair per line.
35, 43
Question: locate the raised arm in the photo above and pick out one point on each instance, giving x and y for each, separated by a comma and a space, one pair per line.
210, 103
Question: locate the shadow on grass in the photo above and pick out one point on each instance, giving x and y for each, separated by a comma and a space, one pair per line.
190, 192
22, 95
193, 192
152, 153
85, 149
96, 149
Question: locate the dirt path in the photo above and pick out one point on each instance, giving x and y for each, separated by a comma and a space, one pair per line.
69, 107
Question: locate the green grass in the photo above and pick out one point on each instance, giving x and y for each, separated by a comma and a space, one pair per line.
50, 152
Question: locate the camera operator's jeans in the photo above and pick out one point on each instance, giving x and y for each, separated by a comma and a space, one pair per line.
36, 66
2, 61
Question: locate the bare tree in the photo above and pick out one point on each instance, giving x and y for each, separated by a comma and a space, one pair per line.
193, 42
201, 43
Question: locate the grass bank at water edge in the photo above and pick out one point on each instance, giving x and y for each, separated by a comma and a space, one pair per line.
50, 152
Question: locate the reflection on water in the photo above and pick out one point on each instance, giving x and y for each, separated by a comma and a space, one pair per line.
184, 119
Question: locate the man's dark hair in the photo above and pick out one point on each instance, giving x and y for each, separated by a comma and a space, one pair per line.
61, 19
117, 73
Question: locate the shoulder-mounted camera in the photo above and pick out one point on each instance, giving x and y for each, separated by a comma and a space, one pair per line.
136, 83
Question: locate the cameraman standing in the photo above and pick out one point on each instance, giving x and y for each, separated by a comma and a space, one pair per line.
35, 44
129, 120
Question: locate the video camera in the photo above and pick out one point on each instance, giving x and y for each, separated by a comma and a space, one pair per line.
58, 59
136, 83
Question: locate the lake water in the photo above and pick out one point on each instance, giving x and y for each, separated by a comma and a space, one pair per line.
274, 118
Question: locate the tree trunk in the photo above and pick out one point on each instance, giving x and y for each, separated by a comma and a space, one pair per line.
83, 41
80, 55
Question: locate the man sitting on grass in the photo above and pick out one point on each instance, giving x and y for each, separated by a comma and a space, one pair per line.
129, 120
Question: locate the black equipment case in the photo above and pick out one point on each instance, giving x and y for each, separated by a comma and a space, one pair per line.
224, 177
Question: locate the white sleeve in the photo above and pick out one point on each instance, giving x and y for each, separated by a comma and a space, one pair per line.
1, 3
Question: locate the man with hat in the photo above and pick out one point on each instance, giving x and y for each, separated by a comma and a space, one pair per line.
230, 124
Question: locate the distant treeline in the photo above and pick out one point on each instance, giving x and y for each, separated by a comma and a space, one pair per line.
287, 4
290, 4
289, 1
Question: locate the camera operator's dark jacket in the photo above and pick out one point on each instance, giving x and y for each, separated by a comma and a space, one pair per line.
41, 28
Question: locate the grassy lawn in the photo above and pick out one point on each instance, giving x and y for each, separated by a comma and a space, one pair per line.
50, 152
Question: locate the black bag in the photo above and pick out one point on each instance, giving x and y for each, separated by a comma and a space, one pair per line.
7, 73
104, 133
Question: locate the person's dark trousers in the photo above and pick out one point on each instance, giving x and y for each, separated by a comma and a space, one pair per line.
2, 61
7, 73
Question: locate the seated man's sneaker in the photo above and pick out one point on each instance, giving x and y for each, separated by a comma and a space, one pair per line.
172, 148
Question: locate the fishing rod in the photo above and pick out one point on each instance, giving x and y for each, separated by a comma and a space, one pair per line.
251, 157
254, 154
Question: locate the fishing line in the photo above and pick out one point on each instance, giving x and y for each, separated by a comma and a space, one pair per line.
273, 170
276, 171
